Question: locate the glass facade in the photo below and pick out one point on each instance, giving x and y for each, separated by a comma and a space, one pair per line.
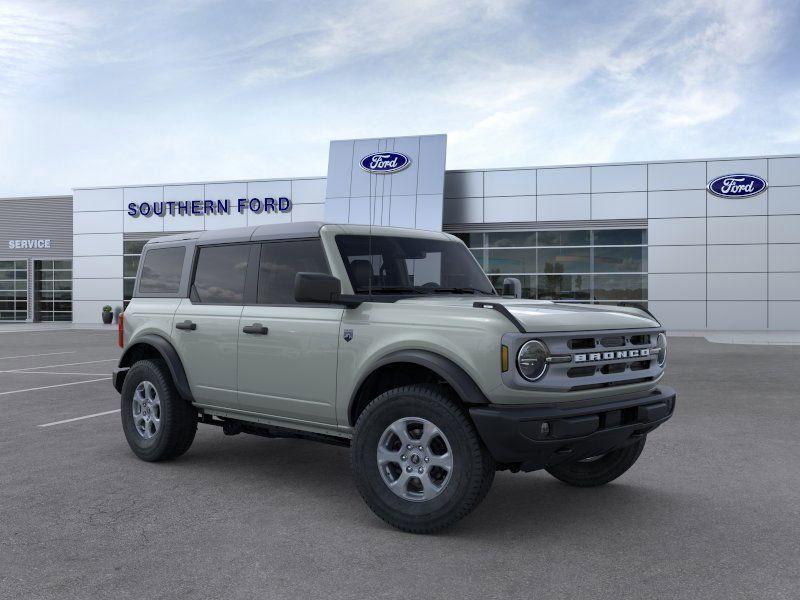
585, 265
13, 290
53, 285
132, 252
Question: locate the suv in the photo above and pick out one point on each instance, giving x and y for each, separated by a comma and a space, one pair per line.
392, 342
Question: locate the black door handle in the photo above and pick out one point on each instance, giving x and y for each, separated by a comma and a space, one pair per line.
186, 326
255, 328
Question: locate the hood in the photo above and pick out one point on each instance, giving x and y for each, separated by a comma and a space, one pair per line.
544, 315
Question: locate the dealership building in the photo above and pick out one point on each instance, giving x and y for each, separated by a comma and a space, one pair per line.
707, 244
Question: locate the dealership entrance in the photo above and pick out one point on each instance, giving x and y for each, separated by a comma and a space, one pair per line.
13, 290
35, 290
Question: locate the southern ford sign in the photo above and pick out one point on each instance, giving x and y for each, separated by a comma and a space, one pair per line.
385, 163
737, 186
170, 208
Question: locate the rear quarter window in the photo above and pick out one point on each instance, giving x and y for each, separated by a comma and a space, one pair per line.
161, 271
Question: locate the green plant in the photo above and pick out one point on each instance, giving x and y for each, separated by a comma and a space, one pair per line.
107, 308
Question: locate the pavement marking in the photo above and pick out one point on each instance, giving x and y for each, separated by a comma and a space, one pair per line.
108, 412
86, 362
61, 373
34, 355
47, 387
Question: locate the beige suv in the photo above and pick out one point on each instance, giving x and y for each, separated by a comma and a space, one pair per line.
392, 342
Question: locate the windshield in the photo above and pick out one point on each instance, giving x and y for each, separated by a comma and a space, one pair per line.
397, 265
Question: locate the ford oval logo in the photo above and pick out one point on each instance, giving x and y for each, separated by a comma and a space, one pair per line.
384, 163
737, 186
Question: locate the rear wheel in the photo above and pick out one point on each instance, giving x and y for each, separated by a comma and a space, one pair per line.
418, 461
598, 470
158, 423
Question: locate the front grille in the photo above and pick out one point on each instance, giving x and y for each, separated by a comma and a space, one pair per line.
596, 359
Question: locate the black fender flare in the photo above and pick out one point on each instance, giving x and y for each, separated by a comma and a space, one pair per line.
454, 375
167, 352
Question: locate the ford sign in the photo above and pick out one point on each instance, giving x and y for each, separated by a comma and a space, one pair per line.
737, 186
385, 163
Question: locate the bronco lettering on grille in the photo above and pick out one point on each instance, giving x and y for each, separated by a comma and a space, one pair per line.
618, 354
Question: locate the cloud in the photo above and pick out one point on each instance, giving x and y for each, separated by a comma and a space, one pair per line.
35, 38
659, 68
346, 35
98, 93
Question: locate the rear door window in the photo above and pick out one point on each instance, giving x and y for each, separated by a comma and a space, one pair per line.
161, 271
220, 274
280, 262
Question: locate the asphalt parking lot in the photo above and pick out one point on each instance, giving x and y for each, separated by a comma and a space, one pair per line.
710, 510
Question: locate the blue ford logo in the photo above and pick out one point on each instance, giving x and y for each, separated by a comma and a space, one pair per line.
384, 163
737, 186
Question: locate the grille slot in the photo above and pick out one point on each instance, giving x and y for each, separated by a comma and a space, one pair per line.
581, 371
581, 344
642, 339
640, 365
612, 368
612, 342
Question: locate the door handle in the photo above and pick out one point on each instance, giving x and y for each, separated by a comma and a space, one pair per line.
187, 325
255, 328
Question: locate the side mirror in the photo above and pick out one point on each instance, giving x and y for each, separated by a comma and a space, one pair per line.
317, 287
512, 287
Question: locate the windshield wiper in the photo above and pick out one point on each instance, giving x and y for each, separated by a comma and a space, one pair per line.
391, 289
460, 290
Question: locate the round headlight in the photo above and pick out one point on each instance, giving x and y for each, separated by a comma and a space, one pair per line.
661, 349
531, 360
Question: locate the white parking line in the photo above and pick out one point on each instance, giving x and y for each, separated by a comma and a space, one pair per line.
108, 412
47, 387
61, 373
86, 362
34, 355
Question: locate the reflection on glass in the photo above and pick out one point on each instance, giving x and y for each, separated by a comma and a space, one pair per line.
563, 260
564, 287
512, 238
620, 237
620, 287
620, 260
512, 261
130, 264
581, 237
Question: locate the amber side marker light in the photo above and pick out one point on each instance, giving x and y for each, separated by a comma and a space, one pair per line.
504, 358
120, 331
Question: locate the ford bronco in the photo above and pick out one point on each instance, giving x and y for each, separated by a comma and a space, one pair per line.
392, 342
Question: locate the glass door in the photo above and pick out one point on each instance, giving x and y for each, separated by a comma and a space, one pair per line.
53, 279
13, 290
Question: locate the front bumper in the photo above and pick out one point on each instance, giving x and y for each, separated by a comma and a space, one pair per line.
537, 437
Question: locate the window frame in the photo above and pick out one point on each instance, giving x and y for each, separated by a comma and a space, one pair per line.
257, 275
138, 293
248, 290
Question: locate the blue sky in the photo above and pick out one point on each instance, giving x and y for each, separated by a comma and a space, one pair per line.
95, 93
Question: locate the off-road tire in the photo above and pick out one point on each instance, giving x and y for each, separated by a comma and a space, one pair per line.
473, 466
600, 471
178, 418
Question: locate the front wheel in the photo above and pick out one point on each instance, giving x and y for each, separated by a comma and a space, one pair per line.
598, 470
418, 461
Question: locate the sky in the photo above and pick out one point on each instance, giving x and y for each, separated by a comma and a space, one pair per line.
110, 93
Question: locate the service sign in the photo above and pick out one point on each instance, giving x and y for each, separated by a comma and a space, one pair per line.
385, 163
28, 244
737, 186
